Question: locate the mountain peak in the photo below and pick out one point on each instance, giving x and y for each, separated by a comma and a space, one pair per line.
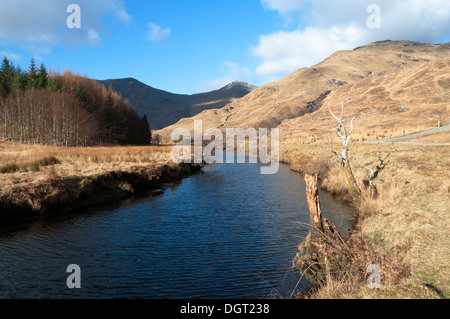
164, 108
374, 67
240, 83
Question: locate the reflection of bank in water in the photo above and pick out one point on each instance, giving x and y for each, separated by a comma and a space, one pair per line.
226, 233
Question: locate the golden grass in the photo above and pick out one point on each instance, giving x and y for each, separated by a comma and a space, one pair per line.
136, 154
443, 137
74, 161
344, 267
399, 96
34, 174
411, 211
35, 165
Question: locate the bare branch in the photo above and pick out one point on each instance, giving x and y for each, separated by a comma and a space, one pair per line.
375, 172
348, 141
363, 166
343, 158
337, 119
351, 126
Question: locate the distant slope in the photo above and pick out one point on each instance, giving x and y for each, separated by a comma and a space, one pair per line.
164, 108
410, 99
308, 89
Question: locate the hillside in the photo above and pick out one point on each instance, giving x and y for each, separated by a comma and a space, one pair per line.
398, 74
391, 104
164, 108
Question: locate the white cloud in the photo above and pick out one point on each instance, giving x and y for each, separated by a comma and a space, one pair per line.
123, 16
337, 25
233, 72
10, 55
285, 52
283, 6
30, 23
156, 33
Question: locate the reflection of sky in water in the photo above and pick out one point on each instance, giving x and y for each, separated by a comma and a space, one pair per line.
228, 232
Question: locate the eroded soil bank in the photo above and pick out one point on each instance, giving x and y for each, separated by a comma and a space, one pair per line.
55, 194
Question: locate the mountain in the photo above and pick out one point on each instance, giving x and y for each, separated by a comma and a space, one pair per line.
164, 108
394, 102
374, 79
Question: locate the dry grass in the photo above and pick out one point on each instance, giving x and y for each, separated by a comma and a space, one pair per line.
335, 181
343, 268
77, 161
23, 166
443, 137
32, 164
33, 178
384, 88
136, 154
411, 211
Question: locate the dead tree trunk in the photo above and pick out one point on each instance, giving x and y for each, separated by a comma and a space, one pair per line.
354, 188
315, 211
320, 228
373, 174
311, 261
342, 157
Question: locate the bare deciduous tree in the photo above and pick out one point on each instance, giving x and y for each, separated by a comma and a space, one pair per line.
342, 156
70, 111
374, 173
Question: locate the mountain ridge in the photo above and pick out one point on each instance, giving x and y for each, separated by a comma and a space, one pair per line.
306, 90
164, 108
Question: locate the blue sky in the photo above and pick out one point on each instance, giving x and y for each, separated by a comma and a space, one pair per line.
194, 46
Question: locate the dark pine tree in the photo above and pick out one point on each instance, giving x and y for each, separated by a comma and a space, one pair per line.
147, 138
53, 85
20, 79
42, 77
6, 77
81, 93
33, 75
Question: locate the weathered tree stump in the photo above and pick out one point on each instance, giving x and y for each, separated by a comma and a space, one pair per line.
311, 262
315, 211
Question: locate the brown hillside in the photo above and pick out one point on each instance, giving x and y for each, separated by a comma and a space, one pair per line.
164, 108
388, 105
392, 69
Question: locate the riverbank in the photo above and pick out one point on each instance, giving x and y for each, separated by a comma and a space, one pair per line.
38, 181
407, 221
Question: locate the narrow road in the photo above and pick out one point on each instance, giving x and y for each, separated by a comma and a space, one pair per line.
398, 140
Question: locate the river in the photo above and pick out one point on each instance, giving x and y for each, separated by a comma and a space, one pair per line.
225, 233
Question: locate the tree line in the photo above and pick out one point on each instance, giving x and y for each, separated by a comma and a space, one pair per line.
49, 108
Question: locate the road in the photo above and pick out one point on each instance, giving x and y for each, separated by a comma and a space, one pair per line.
398, 140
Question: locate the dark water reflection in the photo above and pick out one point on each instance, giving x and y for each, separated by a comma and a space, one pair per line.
228, 232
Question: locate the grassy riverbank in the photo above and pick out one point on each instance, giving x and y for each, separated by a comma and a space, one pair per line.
37, 180
409, 216
407, 222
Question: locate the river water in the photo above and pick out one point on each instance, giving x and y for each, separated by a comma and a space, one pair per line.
227, 232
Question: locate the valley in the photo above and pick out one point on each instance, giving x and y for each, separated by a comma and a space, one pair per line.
165, 108
396, 95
